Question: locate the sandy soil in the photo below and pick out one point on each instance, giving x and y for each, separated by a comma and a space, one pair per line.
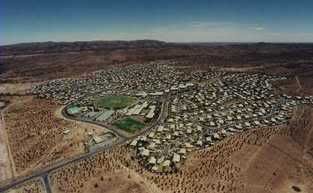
34, 186
276, 166
5, 161
32, 123
120, 182
18, 88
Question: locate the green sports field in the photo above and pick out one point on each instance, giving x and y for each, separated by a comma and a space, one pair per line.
114, 102
129, 124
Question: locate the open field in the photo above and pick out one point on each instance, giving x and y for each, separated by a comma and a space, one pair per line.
129, 124
114, 102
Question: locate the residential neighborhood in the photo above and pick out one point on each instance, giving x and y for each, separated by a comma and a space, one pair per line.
165, 112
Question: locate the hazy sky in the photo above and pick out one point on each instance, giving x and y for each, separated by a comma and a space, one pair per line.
168, 20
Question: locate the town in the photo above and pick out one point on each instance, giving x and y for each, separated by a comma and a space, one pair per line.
164, 112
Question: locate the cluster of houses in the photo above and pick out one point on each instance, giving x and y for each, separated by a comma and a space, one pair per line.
152, 78
204, 106
209, 111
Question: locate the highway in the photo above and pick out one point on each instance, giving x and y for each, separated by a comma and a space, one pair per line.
44, 172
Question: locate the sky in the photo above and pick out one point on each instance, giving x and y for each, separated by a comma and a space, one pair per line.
166, 20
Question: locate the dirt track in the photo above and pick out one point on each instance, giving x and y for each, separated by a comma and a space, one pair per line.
5, 163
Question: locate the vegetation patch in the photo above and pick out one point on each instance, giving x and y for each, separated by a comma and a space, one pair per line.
129, 124
296, 188
114, 102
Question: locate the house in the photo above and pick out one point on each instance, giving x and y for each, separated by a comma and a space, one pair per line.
152, 160
66, 131
145, 152
216, 136
182, 151
166, 164
176, 158
134, 143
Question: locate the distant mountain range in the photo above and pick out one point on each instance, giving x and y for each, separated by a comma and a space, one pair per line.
61, 47
55, 47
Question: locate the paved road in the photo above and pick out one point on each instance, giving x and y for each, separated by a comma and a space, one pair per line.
44, 173
46, 181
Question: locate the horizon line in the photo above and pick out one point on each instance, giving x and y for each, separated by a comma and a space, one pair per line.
168, 42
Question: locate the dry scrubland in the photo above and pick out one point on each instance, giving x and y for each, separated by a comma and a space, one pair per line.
41, 61
36, 135
34, 186
15, 89
261, 160
104, 172
297, 85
